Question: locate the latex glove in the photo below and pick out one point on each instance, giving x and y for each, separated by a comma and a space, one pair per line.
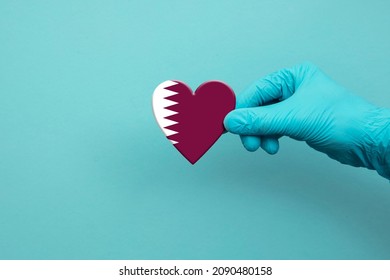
309, 106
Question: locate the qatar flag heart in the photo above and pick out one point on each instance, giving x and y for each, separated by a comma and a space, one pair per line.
193, 122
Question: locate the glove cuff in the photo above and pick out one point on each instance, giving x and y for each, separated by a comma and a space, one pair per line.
379, 154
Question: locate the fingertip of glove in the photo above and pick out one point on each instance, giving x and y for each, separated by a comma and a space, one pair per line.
232, 122
271, 147
251, 148
251, 143
272, 150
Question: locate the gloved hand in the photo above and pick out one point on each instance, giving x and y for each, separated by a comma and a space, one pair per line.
308, 106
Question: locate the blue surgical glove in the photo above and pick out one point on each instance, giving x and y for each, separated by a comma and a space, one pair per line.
306, 105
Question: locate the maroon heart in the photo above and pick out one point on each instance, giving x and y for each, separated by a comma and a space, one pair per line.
194, 122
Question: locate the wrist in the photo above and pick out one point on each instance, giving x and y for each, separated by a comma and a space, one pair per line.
379, 139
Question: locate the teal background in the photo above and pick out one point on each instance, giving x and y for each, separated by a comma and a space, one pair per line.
85, 172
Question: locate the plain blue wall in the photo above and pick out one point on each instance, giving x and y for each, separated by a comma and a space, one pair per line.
85, 172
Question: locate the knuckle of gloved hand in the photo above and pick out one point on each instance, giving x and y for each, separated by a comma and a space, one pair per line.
252, 124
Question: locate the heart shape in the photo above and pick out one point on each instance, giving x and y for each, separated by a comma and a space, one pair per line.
193, 122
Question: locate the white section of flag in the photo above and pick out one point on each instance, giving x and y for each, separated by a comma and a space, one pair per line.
159, 107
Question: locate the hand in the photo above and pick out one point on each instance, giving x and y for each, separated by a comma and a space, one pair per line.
306, 105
